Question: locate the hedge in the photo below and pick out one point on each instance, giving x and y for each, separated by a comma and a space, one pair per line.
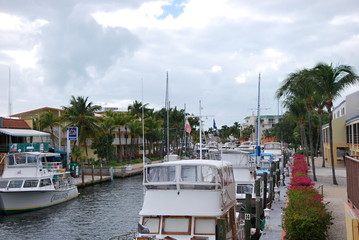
305, 216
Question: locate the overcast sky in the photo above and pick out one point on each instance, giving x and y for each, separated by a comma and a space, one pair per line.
213, 51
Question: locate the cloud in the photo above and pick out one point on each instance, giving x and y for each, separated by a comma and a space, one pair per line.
213, 50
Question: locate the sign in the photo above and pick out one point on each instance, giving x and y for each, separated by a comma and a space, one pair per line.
247, 216
72, 133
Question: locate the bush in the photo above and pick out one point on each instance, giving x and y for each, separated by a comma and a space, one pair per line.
305, 216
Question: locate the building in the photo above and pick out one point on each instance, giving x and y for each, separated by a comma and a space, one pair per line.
267, 122
345, 125
16, 134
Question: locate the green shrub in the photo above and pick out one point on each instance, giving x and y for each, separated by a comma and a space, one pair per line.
305, 216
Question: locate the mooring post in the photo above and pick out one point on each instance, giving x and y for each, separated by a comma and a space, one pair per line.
247, 217
265, 190
258, 207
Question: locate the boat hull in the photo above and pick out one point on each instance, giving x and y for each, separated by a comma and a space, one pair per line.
21, 201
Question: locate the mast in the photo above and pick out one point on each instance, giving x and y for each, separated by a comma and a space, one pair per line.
258, 142
143, 130
167, 106
200, 130
9, 100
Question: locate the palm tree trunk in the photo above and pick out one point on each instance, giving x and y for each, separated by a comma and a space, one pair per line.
311, 145
304, 140
331, 147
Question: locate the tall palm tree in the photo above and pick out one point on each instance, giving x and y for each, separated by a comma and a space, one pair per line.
330, 82
299, 84
81, 114
48, 120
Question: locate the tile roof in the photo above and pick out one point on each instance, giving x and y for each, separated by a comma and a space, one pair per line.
14, 123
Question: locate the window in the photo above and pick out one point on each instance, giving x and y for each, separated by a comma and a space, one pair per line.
176, 225
153, 224
30, 183
244, 188
205, 226
45, 182
161, 174
20, 159
3, 184
15, 184
198, 174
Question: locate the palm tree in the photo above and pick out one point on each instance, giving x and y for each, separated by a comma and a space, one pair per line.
299, 84
153, 131
81, 114
135, 126
48, 120
330, 82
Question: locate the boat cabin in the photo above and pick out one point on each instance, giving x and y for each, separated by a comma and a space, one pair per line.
186, 200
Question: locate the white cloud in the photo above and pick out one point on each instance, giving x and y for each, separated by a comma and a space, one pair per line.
347, 19
216, 69
24, 58
15, 23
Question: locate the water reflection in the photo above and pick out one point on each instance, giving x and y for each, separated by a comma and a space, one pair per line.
100, 212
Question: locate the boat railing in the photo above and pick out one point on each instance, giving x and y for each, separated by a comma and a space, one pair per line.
53, 166
126, 236
183, 185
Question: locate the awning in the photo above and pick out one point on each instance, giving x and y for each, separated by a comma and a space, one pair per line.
23, 132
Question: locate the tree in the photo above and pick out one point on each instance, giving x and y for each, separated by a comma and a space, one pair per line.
81, 114
330, 81
48, 120
103, 143
299, 85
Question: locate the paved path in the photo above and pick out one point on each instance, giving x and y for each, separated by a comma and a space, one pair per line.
273, 229
334, 195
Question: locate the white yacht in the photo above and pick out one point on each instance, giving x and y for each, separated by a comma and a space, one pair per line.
33, 180
185, 200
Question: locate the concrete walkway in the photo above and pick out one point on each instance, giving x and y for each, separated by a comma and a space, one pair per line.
273, 228
334, 195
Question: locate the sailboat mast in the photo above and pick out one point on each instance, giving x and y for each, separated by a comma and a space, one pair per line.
9, 100
167, 119
143, 129
200, 130
258, 147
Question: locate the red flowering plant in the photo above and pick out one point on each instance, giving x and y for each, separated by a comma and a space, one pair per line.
305, 216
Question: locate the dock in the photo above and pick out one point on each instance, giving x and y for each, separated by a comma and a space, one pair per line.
89, 179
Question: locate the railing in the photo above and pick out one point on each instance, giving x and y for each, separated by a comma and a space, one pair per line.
352, 169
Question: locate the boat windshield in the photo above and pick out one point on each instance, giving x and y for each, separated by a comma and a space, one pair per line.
272, 146
161, 174
244, 188
21, 159
198, 174
184, 176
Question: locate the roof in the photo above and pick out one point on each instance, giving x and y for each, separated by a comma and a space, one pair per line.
23, 132
352, 119
35, 111
14, 123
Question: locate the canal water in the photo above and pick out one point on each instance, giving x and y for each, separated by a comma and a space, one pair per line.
100, 212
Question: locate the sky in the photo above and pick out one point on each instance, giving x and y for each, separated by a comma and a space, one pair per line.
115, 52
